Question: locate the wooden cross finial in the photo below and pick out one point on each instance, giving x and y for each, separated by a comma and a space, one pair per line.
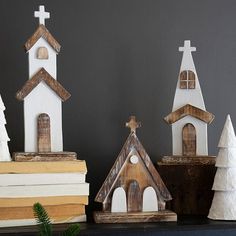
42, 15
133, 124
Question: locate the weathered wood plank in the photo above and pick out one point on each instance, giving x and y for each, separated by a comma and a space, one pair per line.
189, 179
134, 197
44, 134
46, 156
134, 217
189, 110
42, 31
189, 140
189, 160
43, 75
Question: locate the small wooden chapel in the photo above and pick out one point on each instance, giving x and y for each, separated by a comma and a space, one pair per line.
133, 190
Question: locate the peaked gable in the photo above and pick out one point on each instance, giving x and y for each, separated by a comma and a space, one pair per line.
43, 75
189, 110
43, 32
132, 142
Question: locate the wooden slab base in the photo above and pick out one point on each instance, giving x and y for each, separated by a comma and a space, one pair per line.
189, 180
186, 160
44, 156
134, 217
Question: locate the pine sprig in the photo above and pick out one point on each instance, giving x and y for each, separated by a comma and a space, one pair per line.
73, 230
45, 225
43, 220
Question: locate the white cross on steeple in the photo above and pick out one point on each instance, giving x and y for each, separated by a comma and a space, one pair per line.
187, 47
42, 15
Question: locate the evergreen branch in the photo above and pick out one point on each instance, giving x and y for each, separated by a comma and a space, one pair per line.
43, 220
73, 230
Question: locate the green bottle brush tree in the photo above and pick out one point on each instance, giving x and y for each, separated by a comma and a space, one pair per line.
45, 225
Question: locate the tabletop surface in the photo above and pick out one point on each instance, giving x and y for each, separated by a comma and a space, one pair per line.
184, 226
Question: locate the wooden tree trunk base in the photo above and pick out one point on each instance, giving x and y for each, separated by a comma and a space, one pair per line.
134, 217
44, 156
189, 180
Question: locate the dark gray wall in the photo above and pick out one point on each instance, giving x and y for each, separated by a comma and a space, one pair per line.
120, 57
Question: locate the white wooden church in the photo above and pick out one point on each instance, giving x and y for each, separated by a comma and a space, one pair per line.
42, 94
189, 117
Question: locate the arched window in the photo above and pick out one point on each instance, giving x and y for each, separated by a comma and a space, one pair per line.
42, 53
187, 79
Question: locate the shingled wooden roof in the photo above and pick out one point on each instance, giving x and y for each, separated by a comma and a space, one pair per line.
43, 32
43, 75
132, 143
189, 110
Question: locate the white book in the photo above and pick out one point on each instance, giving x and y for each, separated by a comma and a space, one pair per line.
10, 223
44, 190
41, 179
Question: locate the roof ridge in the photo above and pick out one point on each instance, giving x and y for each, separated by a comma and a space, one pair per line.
191, 110
43, 75
43, 32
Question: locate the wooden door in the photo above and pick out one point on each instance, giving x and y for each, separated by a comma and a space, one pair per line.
44, 136
189, 140
134, 197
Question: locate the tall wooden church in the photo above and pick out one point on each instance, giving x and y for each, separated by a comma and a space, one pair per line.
42, 93
189, 117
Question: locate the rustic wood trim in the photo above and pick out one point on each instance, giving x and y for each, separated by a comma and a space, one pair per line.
189, 142
43, 32
43, 75
44, 133
132, 142
134, 217
191, 111
50, 156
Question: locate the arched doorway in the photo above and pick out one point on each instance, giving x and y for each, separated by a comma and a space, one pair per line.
189, 140
134, 197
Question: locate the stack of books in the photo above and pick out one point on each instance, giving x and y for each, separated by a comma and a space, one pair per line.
58, 185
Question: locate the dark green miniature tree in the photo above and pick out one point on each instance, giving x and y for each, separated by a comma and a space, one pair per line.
45, 225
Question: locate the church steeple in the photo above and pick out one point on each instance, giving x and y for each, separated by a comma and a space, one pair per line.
188, 90
189, 117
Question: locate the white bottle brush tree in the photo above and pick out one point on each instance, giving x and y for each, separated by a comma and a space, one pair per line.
4, 150
224, 202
